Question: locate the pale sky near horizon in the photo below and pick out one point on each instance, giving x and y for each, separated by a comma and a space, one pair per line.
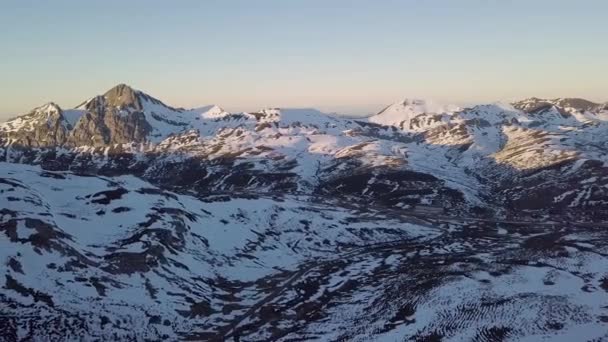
347, 56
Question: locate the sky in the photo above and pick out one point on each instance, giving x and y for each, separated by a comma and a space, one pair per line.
348, 56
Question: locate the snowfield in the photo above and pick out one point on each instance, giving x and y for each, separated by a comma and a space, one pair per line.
89, 257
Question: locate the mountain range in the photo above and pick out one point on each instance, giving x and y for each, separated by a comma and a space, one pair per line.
127, 218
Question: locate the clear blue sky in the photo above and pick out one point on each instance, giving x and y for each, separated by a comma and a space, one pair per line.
346, 55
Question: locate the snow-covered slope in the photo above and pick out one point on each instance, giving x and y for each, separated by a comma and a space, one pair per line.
90, 247
414, 114
89, 257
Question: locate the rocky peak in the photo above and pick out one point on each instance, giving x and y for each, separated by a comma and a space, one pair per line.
115, 117
212, 112
123, 96
531, 104
401, 113
43, 126
49, 108
535, 104
576, 103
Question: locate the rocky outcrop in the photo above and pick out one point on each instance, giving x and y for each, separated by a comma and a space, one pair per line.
44, 126
535, 104
115, 118
123, 97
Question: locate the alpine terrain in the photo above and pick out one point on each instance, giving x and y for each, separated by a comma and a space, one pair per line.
127, 219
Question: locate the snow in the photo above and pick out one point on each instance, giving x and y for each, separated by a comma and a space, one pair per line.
265, 229
401, 113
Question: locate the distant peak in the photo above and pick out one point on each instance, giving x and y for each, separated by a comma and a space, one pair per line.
413, 102
534, 103
420, 106
213, 112
532, 99
271, 110
120, 90
123, 96
577, 103
216, 109
48, 107
121, 87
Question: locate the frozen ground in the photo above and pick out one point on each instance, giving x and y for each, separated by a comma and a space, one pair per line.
88, 257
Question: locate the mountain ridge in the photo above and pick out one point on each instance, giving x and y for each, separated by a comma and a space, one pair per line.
475, 152
438, 107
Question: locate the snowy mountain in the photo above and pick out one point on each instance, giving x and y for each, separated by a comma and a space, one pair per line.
413, 115
126, 218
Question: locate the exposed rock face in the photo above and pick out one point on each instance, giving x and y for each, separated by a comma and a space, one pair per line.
123, 97
43, 127
564, 105
115, 118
